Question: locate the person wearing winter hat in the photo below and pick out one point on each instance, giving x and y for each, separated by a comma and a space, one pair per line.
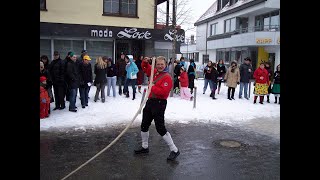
184, 83
156, 106
131, 77
44, 99
73, 80
85, 80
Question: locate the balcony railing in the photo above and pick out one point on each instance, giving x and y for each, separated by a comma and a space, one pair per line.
257, 28
245, 30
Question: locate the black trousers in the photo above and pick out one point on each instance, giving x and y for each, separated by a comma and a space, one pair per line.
154, 109
232, 92
59, 93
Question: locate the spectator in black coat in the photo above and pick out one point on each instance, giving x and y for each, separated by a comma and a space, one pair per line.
73, 81
245, 74
57, 72
100, 70
45, 60
214, 78
222, 71
85, 80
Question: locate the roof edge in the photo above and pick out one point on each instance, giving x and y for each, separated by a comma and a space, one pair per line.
236, 9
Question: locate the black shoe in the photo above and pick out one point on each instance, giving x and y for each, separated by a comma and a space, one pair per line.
268, 101
56, 108
73, 110
103, 100
127, 95
191, 98
254, 102
141, 151
83, 106
240, 97
261, 102
214, 98
247, 98
86, 104
173, 155
62, 107
229, 98
233, 98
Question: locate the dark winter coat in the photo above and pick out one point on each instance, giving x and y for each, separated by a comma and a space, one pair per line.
138, 63
207, 72
191, 70
46, 74
121, 68
73, 75
100, 75
214, 75
222, 70
85, 74
276, 77
112, 70
244, 72
177, 69
57, 72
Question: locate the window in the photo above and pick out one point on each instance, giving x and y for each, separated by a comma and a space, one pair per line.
64, 46
43, 5
268, 22
213, 29
230, 25
127, 8
45, 47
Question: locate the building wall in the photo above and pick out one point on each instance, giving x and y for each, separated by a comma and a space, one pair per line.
90, 12
220, 21
201, 37
245, 39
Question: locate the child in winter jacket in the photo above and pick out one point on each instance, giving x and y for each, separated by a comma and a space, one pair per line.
184, 83
44, 99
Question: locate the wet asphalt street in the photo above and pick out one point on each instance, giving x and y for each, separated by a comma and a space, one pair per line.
202, 156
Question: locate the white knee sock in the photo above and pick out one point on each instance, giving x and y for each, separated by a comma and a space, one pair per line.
145, 137
169, 141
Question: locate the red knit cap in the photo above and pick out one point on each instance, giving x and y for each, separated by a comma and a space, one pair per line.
43, 78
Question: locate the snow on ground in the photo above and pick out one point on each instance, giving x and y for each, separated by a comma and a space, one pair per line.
120, 110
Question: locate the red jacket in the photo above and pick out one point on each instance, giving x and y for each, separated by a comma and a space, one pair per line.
184, 81
161, 89
261, 72
44, 94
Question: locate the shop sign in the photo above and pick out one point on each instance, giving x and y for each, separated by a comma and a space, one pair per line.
170, 35
263, 40
101, 33
133, 33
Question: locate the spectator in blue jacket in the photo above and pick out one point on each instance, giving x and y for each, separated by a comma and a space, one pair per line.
131, 76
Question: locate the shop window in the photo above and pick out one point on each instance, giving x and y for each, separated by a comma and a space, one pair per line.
99, 48
126, 8
45, 47
43, 5
64, 46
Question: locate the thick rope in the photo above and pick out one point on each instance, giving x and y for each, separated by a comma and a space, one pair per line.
127, 127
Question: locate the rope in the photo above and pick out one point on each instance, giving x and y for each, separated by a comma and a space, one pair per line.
127, 127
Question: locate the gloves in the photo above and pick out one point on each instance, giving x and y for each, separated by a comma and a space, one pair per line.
238, 83
43, 100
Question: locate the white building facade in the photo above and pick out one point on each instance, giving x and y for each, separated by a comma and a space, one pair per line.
235, 29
